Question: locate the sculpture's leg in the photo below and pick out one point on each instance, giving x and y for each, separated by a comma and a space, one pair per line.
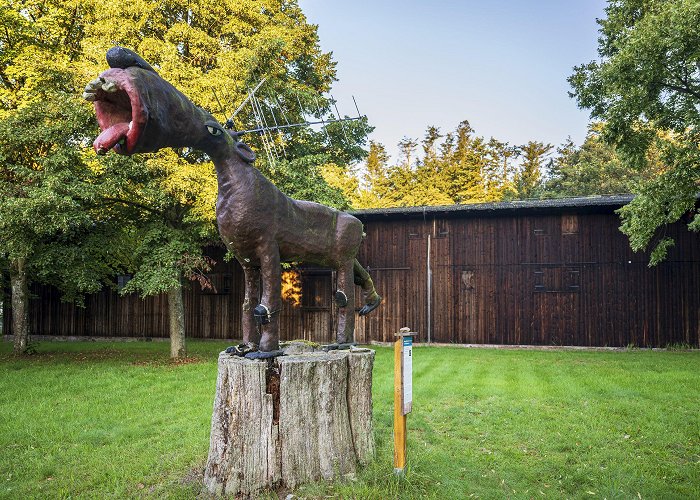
371, 297
267, 312
252, 296
345, 298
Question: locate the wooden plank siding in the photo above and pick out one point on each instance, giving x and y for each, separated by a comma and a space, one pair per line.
536, 276
562, 279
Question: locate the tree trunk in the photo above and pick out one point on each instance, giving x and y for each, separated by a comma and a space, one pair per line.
176, 311
289, 421
20, 304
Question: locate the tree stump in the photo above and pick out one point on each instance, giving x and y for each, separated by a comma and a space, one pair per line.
288, 421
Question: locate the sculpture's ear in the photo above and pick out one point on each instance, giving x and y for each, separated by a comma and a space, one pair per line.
246, 154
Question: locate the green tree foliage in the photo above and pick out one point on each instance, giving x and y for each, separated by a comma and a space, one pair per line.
53, 229
591, 169
374, 190
316, 165
528, 180
462, 168
646, 87
215, 52
501, 168
39, 49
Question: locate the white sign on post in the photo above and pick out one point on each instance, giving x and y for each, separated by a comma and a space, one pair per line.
407, 374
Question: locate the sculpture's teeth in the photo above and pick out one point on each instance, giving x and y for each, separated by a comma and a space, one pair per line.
99, 84
109, 86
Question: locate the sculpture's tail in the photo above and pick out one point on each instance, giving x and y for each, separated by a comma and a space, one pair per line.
363, 279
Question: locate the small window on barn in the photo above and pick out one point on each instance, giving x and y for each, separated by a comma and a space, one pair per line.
317, 285
557, 279
573, 279
569, 224
540, 231
414, 232
539, 280
440, 229
468, 279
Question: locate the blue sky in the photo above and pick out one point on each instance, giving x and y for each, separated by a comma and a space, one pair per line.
500, 64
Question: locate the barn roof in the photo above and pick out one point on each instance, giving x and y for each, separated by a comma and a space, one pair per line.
587, 204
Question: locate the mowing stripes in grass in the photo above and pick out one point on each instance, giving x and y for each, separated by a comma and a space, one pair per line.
118, 419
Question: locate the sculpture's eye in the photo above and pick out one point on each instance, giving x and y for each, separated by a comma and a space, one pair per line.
213, 130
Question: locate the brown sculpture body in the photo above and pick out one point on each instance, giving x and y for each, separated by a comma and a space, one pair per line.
139, 112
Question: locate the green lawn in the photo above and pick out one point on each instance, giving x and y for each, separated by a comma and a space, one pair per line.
118, 419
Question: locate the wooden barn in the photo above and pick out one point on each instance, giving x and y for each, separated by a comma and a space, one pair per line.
551, 272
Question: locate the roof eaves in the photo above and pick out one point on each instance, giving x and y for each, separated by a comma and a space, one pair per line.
582, 204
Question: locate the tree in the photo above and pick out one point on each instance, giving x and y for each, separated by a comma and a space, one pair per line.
52, 229
374, 189
594, 168
646, 87
213, 51
432, 136
467, 167
528, 180
463, 168
407, 146
165, 205
500, 171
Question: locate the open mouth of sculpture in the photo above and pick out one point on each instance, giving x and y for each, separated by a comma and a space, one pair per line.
120, 111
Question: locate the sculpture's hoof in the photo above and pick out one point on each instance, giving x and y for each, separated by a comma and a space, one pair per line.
241, 349
341, 299
371, 306
264, 354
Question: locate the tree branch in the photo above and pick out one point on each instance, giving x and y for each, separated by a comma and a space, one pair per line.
683, 90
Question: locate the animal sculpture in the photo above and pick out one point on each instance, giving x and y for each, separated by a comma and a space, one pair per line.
140, 112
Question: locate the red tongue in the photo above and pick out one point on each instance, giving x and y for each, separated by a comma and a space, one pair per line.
110, 137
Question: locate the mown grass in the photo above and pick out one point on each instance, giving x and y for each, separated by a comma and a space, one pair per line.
120, 420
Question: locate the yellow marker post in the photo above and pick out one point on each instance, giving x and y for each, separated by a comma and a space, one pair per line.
403, 395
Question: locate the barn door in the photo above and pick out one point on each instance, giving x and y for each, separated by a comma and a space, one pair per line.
395, 256
554, 278
440, 306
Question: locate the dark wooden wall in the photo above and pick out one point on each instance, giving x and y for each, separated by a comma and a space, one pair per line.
516, 278
562, 279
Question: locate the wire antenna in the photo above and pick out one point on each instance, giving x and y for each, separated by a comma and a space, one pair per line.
223, 111
260, 108
342, 123
279, 132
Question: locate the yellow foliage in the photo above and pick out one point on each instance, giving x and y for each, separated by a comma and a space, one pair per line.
291, 287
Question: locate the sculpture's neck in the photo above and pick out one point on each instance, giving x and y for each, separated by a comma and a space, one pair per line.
232, 173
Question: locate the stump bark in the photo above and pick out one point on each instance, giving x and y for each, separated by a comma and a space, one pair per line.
288, 421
